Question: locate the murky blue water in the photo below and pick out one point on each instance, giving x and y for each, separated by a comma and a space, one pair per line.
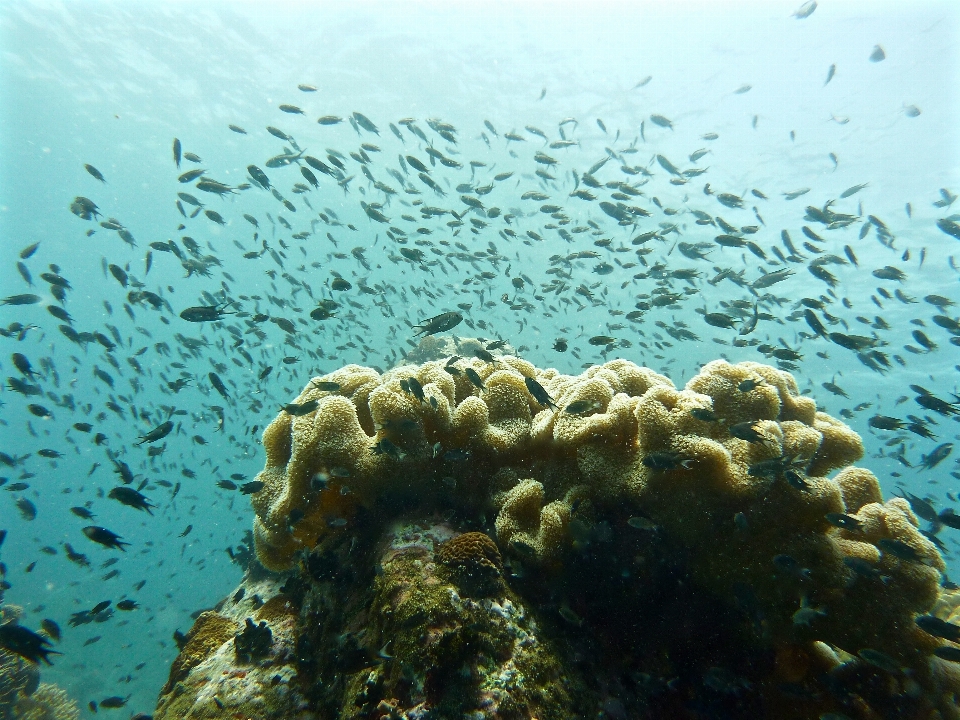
112, 84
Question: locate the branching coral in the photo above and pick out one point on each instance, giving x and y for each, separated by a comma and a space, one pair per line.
49, 702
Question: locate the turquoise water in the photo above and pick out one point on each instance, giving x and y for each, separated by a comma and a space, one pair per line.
645, 86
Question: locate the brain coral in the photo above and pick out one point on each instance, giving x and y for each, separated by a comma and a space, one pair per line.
733, 467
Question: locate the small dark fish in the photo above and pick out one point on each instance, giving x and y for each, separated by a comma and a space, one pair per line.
846, 522
539, 393
602, 340
667, 460
748, 431
949, 518
191, 175
949, 227
104, 537
948, 652
131, 498
206, 313
254, 486
885, 422
661, 121
474, 378
439, 323
51, 629
938, 628
186, 531
218, 385
27, 509
177, 149
126, 606
96, 173
301, 409
898, 549
25, 643
416, 389
484, 355
579, 407
24, 299
364, 122
114, 702
158, 433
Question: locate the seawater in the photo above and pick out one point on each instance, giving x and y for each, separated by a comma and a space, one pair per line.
111, 84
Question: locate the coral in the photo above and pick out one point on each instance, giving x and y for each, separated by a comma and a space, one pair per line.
529, 528
17, 677
209, 631
49, 702
475, 561
858, 487
730, 472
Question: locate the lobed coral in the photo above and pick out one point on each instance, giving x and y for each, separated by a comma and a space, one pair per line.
733, 469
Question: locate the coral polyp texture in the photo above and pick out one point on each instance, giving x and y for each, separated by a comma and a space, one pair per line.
733, 471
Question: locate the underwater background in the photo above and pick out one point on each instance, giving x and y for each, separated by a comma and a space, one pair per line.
793, 111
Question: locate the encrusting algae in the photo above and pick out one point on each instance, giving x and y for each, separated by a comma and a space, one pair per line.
624, 509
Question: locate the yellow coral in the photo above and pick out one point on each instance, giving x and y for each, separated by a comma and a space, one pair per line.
209, 632
859, 487
732, 503
529, 526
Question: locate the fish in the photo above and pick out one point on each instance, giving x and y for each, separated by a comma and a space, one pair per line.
439, 323
105, 537
831, 71
949, 227
539, 393
21, 299
26, 643
95, 173
853, 190
667, 460
131, 498
805, 10
581, 407
847, 522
